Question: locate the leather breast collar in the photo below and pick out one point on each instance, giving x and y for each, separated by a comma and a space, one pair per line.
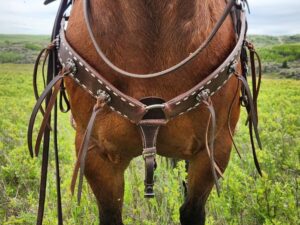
91, 81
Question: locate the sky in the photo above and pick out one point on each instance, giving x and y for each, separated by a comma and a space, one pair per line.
273, 17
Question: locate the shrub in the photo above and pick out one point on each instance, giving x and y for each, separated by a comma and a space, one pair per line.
9, 57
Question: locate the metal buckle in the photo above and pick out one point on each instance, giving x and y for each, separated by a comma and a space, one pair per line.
149, 152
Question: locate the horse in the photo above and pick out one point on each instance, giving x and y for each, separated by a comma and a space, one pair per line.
144, 37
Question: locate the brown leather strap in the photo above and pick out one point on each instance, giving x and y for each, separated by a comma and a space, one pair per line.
102, 100
52, 70
149, 130
252, 122
35, 110
236, 94
250, 109
255, 83
210, 144
47, 114
57, 170
64, 104
44, 52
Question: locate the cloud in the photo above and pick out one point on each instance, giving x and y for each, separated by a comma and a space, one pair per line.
275, 17
26, 16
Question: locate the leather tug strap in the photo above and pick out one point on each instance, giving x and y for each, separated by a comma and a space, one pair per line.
149, 130
102, 100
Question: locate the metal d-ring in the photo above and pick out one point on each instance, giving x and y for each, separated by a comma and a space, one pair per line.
155, 106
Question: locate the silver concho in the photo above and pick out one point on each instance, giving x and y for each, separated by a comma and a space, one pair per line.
71, 65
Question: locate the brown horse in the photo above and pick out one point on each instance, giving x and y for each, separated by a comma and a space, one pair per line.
145, 36
137, 38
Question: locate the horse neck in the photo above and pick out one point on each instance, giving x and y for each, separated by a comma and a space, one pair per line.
144, 36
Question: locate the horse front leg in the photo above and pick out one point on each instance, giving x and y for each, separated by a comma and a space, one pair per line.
201, 182
106, 178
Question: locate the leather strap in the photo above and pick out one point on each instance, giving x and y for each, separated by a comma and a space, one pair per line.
252, 123
35, 110
149, 130
47, 114
63, 99
44, 52
101, 102
53, 69
236, 94
251, 110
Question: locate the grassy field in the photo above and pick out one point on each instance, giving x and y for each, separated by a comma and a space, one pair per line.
21, 48
245, 199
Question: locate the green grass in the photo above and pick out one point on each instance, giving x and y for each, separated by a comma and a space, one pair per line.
281, 53
21, 48
13, 38
245, 198
266, 40
9, 56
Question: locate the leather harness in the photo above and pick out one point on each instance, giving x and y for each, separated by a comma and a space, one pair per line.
149, 114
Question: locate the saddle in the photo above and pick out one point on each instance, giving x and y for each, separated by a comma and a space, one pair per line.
149, 113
